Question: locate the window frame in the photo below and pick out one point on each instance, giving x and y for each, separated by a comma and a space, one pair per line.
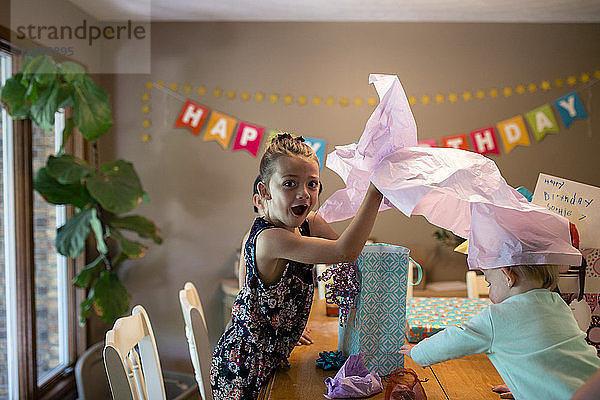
62, 383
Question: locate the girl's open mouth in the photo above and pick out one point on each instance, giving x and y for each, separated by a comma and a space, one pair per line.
299, 210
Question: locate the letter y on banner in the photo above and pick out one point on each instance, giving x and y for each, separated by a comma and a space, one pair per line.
192, 116
248, 138
570, 107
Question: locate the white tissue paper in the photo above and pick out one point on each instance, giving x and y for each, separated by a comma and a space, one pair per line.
454, 189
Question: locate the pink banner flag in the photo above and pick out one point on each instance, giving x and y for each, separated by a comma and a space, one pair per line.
248, 138
192, 116
428, 143
456, 142
484, 141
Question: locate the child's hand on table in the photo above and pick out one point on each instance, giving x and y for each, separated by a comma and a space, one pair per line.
503, 390
305, 338
406, 349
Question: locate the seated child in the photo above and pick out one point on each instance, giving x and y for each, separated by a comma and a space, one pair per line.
528, 333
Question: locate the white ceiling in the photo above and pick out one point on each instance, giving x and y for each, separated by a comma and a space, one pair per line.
540, 11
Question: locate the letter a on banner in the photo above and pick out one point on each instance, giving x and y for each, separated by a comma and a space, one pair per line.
542, 121
248, 138
220, 128
456, 142
484, 141
513, 132
569, 108
192, 116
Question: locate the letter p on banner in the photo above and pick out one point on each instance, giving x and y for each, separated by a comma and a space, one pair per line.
192, 116
248, 138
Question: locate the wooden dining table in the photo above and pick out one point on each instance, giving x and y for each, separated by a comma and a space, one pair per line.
466, 378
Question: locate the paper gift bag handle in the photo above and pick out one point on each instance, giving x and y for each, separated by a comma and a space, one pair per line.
419, 272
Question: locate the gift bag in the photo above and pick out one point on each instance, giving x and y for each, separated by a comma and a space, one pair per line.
376, 326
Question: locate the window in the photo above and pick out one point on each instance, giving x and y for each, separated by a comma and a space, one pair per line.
39, 333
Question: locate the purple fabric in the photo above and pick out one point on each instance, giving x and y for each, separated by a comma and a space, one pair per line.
353, 380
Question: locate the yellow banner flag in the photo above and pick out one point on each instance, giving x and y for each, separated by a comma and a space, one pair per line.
220, 128
513, 132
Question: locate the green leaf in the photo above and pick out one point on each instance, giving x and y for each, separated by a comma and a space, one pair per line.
111, 297
13, 98
64, 98
43, 109
91, 111
67, 169
131, 248
118, 189
56, 193
86, 307
70, 238
67, 132
89, 273
41, 68
136, 223
71, 71
97, 229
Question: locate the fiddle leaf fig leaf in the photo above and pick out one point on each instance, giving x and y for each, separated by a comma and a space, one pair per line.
71, 71
42, 111
86, 307
91, 111
67, 132
118, 189
56, 193
90, 272
64, 98
136, 223
67, 169
96, 226
110, 296
41, 68
70, 238
13, 98
131, 248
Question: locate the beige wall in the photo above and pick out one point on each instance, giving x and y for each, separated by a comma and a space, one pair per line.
200, 193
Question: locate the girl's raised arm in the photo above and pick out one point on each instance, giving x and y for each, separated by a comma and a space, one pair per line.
278, 243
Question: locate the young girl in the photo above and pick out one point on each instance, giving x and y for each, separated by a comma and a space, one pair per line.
271, 311
528, 333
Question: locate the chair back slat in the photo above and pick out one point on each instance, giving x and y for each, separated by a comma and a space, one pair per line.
131, 359
197, 336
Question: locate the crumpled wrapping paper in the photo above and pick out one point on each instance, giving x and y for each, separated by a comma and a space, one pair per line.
455, 189
353, 380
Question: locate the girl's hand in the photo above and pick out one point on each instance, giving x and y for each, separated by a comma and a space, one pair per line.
406, 349
305, 339
503, 390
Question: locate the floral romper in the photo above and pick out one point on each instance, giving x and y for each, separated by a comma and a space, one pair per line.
266, 323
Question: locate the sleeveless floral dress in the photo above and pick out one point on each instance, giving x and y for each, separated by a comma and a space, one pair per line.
266, 323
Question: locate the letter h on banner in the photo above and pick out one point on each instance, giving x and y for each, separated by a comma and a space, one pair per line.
484, 141
192, 116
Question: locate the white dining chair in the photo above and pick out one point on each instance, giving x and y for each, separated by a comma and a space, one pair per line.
476, 285
197, 336
131, 359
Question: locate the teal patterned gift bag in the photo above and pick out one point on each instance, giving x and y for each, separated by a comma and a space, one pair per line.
376, 326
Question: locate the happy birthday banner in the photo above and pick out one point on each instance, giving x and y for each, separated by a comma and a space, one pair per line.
221, 128
513, 131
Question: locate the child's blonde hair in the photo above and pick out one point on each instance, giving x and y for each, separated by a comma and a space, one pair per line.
546, 274
283, 144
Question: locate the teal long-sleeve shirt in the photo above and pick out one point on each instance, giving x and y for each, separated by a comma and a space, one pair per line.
531, 338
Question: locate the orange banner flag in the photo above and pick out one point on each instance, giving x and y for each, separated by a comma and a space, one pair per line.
220, 129
513, 132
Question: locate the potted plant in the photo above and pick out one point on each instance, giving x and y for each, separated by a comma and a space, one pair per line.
99, 194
